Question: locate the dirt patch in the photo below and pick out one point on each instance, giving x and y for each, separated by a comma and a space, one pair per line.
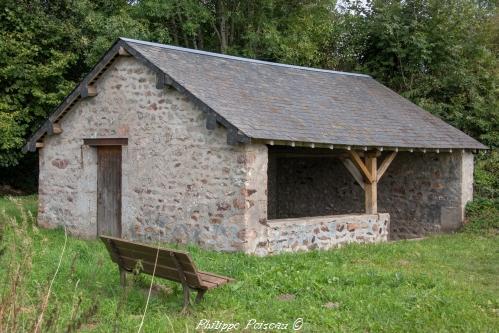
332, 305
286, 297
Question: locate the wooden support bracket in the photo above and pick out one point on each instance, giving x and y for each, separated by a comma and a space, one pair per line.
211, 121
359, 164
88, 91
56, 128
123, 52
353, 171
385, 164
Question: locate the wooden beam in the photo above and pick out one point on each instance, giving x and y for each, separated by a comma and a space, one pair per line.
106, 141
371, 189
385, 164
123, 52
39, 145
88, 91
211, 121
357, 161
354, 172
56, 128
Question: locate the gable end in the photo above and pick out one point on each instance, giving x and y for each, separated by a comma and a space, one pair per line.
86, 89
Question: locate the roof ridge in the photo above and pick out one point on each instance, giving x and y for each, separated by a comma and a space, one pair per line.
230, 57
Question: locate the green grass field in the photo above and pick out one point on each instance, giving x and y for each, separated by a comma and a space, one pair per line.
447, 283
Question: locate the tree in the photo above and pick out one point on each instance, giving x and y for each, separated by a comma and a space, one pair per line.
438, 54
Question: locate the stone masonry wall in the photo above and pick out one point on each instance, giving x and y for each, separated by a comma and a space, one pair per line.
426, 193
181, 182
290, 235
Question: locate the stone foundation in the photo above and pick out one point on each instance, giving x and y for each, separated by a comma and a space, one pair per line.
323, 232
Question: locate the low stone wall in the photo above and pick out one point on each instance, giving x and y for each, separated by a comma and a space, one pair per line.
323, 232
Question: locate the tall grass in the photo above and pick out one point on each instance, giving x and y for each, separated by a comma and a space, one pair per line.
21, 310
445, 283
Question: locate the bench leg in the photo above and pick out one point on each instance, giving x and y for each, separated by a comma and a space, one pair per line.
200, 295
122, 277
187, 298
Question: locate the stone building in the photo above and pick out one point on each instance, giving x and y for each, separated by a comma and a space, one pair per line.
178, 145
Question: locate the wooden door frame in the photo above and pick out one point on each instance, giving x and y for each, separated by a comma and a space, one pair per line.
103, 142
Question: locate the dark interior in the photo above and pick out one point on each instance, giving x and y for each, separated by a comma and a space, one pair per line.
310, 182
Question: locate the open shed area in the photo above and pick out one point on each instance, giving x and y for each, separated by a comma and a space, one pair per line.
422, 192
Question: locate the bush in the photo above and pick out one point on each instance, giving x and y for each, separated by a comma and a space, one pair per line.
483, 212
487, 175
483, 215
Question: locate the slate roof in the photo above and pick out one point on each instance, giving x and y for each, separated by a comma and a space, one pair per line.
271, 101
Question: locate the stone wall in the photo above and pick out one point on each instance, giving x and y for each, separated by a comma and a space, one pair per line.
289, 235
426, 193
181, 182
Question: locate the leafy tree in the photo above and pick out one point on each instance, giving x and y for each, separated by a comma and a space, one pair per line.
37, 66
438, 54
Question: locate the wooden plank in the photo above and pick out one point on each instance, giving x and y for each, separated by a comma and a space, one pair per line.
163, 257
371, 188
125, 242
385, 164
216, 275
139, 247
56, 128
123, 52
39, 145
357, 161
106, 142
354, 172
88, 91
164, 272
109, 190
207, 279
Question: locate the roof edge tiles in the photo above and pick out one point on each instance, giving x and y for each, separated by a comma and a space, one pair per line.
230, 57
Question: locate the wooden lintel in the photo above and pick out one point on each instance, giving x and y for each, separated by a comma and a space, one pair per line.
88, 91
123, 52
39, 145
357, 161
354, 172
385, 164
105, 141
56, 128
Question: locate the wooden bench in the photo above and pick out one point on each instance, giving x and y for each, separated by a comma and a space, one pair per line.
170, 264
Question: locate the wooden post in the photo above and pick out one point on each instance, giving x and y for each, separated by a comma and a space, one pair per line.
122, 277
371, 188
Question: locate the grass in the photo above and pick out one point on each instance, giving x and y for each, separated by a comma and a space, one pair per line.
444, 283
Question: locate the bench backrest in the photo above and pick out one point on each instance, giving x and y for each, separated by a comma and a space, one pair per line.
127, 254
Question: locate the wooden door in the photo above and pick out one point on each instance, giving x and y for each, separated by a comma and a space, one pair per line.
109, 190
